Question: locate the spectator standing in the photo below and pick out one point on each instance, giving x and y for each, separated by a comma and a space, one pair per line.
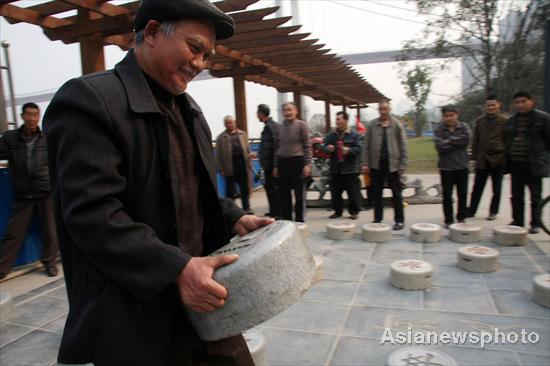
266, 156
452, 138
27, 155
233, 157
344, 148
488, 147
385, 157
528, 156
292, 162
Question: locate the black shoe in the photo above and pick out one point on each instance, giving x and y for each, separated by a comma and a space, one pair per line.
398, 226
3, 275
377, 221
534, 230
268, 214
335, 215
461, 221
469, 215
52, 271
353, 216
513, 223
249, 211
447, 224
492, 217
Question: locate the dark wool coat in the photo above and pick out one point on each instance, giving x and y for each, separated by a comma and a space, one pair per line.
117, 219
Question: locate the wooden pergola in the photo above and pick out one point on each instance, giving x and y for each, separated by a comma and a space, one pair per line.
262, 50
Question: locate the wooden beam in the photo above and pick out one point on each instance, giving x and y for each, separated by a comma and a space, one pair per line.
250, 36
240, 102
289, 52
234, 5
288, 45
297, 88
32, 17
327, 117
266, 41
98, 6
251, 15
260, 25
91, 49
239, 71
298, 101
107, 26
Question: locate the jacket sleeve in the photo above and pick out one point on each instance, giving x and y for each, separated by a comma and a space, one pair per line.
355, 146
328, 141
463, 140
475, 139
441, 145
87, 172
403, 157
366, 147
3, 148
307, 144
219, 153
231, 212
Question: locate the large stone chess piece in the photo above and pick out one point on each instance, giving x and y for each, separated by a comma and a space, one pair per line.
275, 268
465, 233
425, 233
509, 235
477, 258
411, 274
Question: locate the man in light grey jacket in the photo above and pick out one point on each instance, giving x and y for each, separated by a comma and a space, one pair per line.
385, 156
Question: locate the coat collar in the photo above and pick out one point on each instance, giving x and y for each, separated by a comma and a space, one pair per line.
140, 96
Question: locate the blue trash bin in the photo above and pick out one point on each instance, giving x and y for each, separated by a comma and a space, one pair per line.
32, 247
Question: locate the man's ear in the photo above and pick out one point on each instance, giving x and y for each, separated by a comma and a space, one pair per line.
151, 32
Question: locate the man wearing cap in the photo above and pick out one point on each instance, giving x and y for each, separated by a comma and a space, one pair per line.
266, 155
134, 178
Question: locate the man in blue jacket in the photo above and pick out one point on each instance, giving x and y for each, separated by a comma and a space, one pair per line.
345, 151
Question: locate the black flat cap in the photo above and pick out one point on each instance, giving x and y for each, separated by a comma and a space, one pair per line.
449, 108
169, 10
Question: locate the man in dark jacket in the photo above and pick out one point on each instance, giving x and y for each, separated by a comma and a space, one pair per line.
266, 155
528, 156
26, 152
344, 148
488, 145
134, 178
452, 138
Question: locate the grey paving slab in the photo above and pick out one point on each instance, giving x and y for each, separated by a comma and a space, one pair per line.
289, 348
367, 352
34, 349
61, 293
543, 261
389, 256
371, 322
56, 325
512, 279
453, 276
39, 311
440, 259
339, 266
355, 245
399, 245
517, 302
517, 262
332, 291
311, 316
377, 273
474, 300
441, 247
383, 294
534, 360
11, 332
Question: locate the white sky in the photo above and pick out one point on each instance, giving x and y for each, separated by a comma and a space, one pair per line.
39, 65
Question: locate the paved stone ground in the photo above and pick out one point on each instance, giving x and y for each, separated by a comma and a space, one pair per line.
340, 321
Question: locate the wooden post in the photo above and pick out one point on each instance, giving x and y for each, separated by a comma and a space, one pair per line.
327, 116
298, 101
92, 55
344, 108
240, 103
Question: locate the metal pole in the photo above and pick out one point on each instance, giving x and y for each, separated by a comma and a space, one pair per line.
281, 97
3, 114
547, 66
6, 45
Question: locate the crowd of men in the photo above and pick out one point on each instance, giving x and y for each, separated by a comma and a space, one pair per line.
518, 145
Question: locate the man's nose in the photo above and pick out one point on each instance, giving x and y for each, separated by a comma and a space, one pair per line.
198, 63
